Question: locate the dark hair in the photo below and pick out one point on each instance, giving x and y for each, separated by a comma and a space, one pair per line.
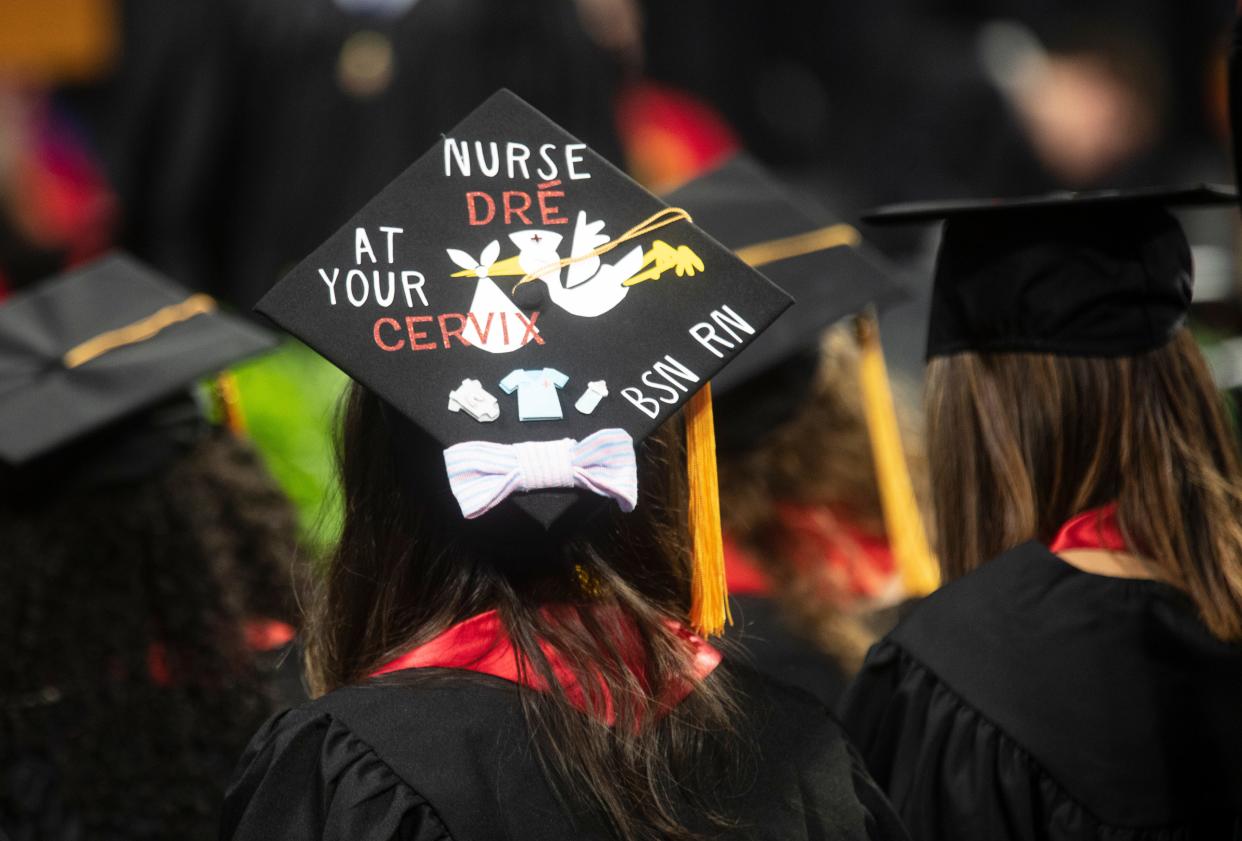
1022, 442
408, 566
128, 689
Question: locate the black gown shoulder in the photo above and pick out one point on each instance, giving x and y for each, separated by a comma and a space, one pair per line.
442, 754
767, 641
1030, 700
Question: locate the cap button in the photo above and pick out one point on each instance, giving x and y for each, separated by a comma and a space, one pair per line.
530, 296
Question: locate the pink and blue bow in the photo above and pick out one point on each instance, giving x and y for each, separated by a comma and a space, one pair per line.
482, 474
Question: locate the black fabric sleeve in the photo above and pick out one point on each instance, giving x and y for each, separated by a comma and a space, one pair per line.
882, 822
949, 774
952, 774
306, 776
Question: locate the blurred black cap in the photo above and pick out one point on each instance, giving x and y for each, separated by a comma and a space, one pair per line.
1104, 273
822, 265
100, 345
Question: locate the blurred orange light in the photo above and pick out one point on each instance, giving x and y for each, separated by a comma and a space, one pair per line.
53, 41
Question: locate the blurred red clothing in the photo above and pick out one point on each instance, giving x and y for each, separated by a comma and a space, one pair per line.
670, 136
845, 563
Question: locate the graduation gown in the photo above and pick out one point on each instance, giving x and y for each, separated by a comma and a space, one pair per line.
445, 754
1031, 700
766, 639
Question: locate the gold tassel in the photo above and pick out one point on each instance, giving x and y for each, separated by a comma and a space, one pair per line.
140, 330
919, 571
709, 592
228, 399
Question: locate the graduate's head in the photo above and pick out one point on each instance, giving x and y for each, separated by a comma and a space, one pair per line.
408, 564
1061, 377
531, 335
105, 393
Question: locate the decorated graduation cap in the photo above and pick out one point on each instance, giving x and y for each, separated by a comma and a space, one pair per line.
1104, 273
102, 346
824, 266
536, 313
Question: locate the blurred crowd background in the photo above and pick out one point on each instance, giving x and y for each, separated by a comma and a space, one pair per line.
221, 140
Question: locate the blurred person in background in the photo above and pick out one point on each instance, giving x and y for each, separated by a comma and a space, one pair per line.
240, 133
56, 208
1079, 676
811, 564
869, 103
807, 551
865, 103
145, 578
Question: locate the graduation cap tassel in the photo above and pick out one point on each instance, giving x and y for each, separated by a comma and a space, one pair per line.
919, 571
140, 330
1235, 94
709, 593
228, 398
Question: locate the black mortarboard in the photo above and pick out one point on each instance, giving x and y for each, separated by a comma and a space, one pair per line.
1105, 273
514, 288
101, 344
793, 244
418, 297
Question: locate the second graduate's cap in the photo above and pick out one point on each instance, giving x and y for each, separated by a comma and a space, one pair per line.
101, 344
1104, 273
528, 306
821, 264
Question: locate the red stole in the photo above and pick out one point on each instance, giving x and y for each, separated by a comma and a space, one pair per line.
261, 634
742, 571
826, 548
1097, 528
480, 644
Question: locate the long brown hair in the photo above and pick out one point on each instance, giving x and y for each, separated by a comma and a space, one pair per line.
1020, 443
408, 566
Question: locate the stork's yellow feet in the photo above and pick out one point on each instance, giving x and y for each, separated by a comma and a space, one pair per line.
662, 257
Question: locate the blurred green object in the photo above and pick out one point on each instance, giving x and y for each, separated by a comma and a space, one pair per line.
288, 400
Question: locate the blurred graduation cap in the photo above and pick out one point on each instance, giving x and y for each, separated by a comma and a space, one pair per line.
824, 267
821, 265
1102, 273
107, 349
535, 312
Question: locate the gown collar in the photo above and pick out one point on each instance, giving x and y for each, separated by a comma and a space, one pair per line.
480, 644
1097, 528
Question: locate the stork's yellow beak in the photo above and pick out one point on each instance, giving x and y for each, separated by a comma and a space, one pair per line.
507, 268
501, 268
